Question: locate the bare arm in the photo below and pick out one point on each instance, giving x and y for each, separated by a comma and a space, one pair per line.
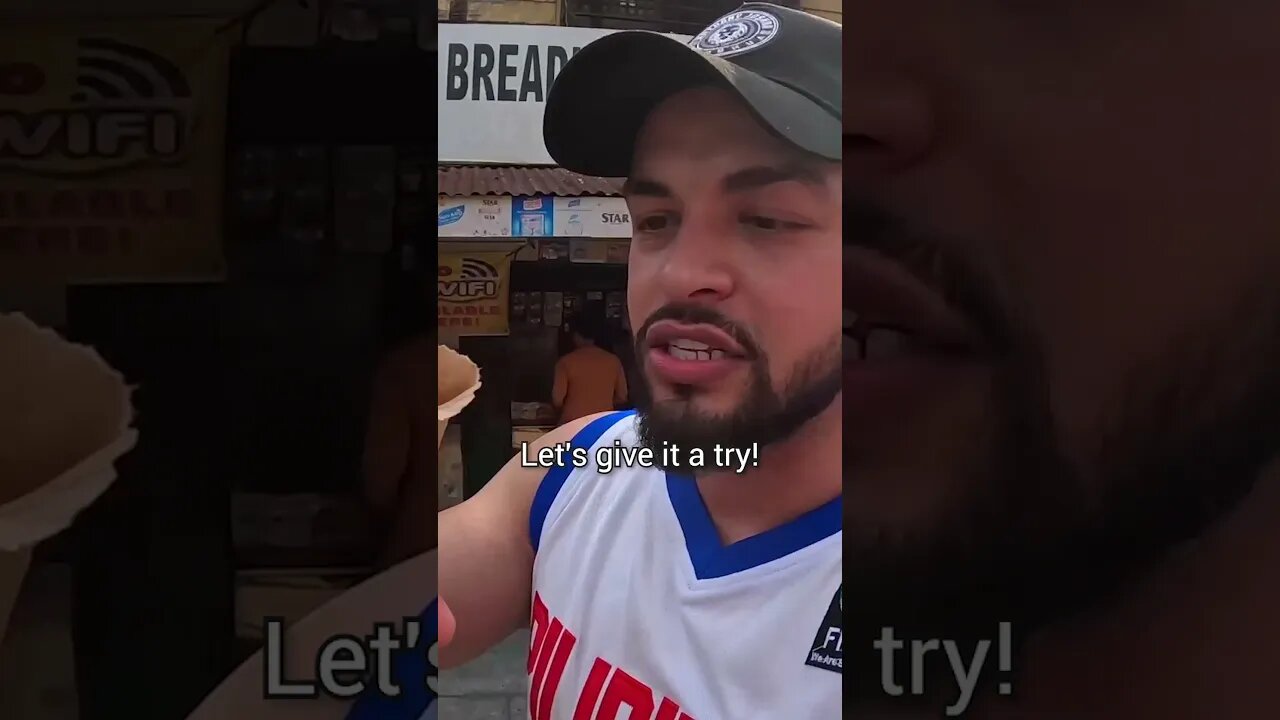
486, 556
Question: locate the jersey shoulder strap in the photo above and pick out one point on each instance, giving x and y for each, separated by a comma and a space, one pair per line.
556, 477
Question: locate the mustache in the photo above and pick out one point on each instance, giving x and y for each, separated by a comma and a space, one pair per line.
935, 260
697, 314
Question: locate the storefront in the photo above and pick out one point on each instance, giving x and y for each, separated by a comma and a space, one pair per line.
524, 246
522, 253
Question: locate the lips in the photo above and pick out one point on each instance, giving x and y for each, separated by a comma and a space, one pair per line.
693, 341
692, 354
888, 315
905, 348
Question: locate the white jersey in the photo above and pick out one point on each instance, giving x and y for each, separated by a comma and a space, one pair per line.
640, 613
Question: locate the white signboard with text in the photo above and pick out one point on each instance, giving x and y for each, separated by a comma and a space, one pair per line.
592, 217
491, 88
505, 217
485, 216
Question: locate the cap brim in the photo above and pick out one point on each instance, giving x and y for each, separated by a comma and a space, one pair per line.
603, 95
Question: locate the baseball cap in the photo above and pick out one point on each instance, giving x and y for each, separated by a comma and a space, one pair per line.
783, 63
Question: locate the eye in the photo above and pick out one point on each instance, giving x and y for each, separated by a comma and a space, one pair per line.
655, 223
768, 224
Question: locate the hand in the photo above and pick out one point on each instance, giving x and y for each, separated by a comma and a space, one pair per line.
447, 624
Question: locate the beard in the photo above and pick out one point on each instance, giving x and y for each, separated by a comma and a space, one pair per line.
762, 417
1037, 536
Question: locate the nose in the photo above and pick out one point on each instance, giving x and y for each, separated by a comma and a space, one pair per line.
888, 121
697, 263
888, 124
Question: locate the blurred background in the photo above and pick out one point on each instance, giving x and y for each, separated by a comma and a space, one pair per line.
228, 200
239, 239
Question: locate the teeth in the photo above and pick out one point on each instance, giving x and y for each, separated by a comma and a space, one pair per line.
692, 344
682, 354
885, 344
687, 354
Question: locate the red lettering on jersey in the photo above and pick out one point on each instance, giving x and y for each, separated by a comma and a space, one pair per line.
591, 690
538, 623
552, 683
607, 689
540, 668
625, 690
669, 710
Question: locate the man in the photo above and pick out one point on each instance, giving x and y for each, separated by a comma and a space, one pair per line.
698, 591
400, 458
1070, 209
589, 379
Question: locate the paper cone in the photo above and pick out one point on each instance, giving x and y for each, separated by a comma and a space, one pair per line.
64, 420
458, 379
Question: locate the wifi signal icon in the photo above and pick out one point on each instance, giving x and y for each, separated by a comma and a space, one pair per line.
109, 70
473, 269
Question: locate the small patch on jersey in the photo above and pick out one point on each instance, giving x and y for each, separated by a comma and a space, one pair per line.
737, 33
827, 652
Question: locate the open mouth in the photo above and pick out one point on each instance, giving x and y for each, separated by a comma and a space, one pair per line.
905, 347
889, 316
873, 341
692, 355
695, 343
684, 349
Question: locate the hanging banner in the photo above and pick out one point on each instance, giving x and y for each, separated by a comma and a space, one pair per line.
473, 288
533, 216
111, 150
592, 217
484, 216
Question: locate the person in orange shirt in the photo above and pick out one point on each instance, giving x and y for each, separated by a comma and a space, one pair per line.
589, 379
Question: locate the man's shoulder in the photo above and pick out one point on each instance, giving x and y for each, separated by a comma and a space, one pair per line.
614, 431
588, 430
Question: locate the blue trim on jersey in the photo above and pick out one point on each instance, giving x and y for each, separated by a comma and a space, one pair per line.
410, 670
711, 559
556, 477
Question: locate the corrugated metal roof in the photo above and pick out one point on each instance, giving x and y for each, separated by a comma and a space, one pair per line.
461, 180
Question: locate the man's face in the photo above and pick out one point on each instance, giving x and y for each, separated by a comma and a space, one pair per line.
1072, 209
734, 275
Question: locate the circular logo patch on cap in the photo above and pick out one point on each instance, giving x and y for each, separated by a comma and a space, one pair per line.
738, 33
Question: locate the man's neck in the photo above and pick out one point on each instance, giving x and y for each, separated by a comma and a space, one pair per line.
1198, 637
793, 477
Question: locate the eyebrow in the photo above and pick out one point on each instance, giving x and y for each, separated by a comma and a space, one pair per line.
642, 187
747, 179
